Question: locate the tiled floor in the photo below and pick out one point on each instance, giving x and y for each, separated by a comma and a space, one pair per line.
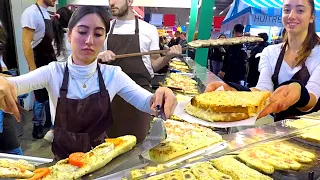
30, 146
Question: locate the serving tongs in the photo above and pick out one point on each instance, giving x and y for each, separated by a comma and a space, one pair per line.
156, 135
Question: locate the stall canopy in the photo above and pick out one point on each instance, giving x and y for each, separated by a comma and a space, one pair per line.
258, 13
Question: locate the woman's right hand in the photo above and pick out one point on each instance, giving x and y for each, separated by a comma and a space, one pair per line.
215, 85
106, 56
8, 97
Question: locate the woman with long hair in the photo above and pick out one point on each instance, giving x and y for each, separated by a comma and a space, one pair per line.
81, 89
60, 22
290, 70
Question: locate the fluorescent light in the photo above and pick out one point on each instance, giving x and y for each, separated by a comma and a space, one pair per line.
214, 7
187, 22
221, 13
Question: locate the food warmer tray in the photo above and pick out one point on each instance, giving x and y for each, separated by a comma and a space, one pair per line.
256, 136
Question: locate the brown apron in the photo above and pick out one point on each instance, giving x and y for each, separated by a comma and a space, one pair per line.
133, 121
303, 76
80, 124
44, 54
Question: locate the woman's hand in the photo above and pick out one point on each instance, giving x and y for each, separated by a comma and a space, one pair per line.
174, 51
215, 85
8, 97
282, 98
106, 56
164, 96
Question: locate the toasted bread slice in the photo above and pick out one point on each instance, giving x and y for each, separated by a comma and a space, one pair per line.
232, 101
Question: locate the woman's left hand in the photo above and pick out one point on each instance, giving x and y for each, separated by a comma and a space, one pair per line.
282, 98
164, 96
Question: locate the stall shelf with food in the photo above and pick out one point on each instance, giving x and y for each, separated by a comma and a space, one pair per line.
283, 150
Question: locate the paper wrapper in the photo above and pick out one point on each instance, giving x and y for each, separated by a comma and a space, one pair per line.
180, 112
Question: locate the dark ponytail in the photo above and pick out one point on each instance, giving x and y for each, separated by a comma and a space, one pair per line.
59, 22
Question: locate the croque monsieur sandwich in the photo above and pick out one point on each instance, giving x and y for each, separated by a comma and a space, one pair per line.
227, 106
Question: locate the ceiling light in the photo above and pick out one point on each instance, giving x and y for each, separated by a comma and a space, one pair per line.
214, 7
187, 22
221, 13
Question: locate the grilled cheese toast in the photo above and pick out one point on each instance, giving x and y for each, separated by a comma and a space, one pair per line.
232, 101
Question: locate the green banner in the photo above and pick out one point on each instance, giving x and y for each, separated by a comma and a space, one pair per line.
205, 26
192, 19
62, 3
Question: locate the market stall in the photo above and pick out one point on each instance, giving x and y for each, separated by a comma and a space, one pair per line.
199, 150
262, 15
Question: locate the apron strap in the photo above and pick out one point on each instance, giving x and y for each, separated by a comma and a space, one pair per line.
65, 82
40, 11
112, 27
137, 26
275, 76
102, 86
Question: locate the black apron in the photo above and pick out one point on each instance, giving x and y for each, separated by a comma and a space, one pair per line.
44, 54
133, 121
80, 124
303, 76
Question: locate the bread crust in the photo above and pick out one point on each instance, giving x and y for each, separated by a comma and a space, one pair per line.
250, 103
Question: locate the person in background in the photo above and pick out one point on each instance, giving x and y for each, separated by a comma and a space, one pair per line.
172, 42
192, 52
177, 35
163, 44
253, 74
37, 36
290, 70
61, 44
9, 142
60, 22
183, 41
128, 34
234, 64
215, 56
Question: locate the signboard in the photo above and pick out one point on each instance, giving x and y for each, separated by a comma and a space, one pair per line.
253, 19
265, 20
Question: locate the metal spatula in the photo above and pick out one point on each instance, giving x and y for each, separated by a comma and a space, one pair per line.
156, 135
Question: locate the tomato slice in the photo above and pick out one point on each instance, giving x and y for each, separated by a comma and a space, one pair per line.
116, 141
40, 173
77, 159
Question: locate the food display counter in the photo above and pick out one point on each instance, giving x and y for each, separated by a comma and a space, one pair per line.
236, 148
241, 141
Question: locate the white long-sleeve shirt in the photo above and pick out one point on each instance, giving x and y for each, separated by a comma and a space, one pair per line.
268, 61
51, 76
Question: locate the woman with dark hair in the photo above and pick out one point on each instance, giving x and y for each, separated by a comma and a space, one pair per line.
61, 45
60, 22
290, 70
80, 90
8, 137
